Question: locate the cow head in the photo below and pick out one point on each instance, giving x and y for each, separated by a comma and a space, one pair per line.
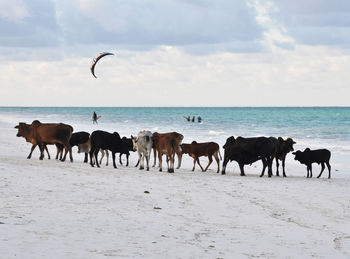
185, 148
289, 142
23, 129
229, 141
134, 142
298, 155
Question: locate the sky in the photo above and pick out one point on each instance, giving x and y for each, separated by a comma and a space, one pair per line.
175, 52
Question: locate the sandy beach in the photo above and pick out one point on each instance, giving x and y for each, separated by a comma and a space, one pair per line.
52, 209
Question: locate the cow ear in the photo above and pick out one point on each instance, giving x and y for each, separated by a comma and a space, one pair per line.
280, 139
307, 150
294, 153
16, 127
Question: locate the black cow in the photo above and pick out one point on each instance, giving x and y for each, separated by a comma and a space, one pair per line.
319, 156
283, 147
104, 140
127, 145
80, 139
249, 150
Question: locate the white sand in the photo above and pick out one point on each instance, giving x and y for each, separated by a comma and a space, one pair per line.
50, 209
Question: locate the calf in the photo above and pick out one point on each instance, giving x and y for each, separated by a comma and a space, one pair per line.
283, 147
80, 139
143, 143
319, 156
126, 147
196, 150
167, 144
178, 138
104, 140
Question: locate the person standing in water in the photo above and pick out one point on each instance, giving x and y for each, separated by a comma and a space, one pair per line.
199, 119
95, 118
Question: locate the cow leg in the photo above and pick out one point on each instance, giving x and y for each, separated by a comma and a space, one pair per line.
194, 163
217, 161
113, 157
127, 159
269, 166
70, 154
224, 166
155, 158
172, 160
47, 151
31, 151
107, 156
210, 161
277, 166
95, 154
322, 168
86, 157
142, 160
102, 155
200, 164
138, 162
241, 167
148, 157
310, 170
179, 157
263, 160
120, 159
91, 157
160, 161
283, 166
329, 170
42, 148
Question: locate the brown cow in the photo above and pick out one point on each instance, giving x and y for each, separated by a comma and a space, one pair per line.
42, 134
197, 150
178, 138
167, 144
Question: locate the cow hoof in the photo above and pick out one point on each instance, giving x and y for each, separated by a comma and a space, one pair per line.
160, 170
223, 173
171, 171
141, 168
147, 168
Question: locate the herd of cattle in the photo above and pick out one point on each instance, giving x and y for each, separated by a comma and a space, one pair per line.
244, 151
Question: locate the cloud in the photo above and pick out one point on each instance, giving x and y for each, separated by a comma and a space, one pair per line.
31, 24
315, 22
154, 23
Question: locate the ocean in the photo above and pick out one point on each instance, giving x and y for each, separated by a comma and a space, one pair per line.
313, 127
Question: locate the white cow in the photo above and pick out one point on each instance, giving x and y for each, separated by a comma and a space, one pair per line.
143, 143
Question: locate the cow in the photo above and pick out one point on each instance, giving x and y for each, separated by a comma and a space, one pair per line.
104, 140
80, 139
127, 146
42, 134
168, 144
247, 151
283, 147
143, 144
174, 135
319, 156
196, 150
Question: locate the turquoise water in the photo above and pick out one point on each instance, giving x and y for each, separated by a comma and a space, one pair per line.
314, 127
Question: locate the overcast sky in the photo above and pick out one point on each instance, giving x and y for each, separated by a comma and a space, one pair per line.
175, 52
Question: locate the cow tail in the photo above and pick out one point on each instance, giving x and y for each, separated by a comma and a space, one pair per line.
220, 154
